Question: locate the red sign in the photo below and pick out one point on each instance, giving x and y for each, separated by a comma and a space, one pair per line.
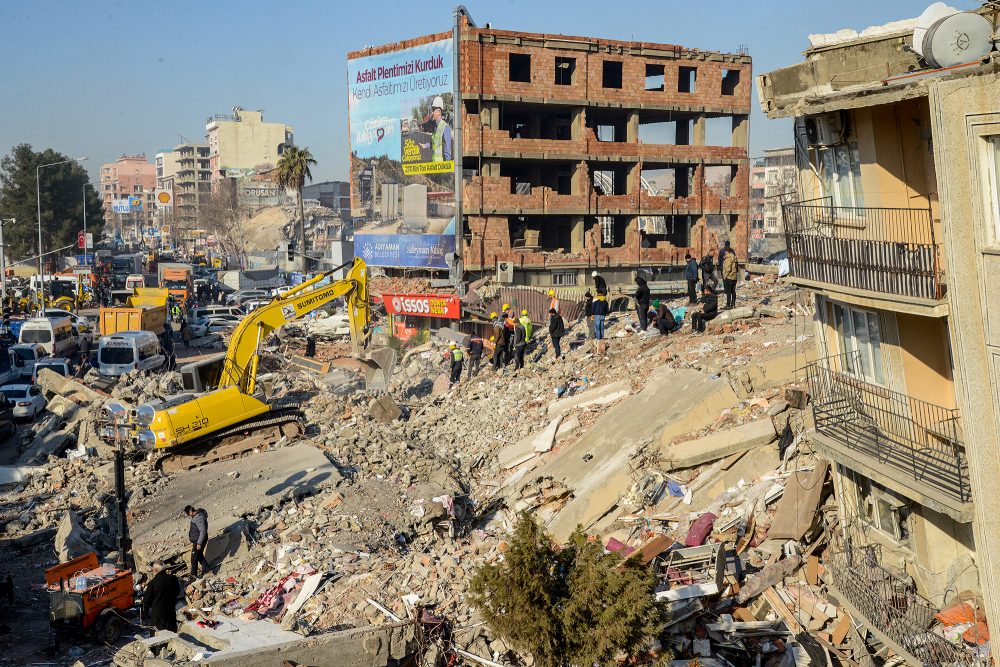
423, 305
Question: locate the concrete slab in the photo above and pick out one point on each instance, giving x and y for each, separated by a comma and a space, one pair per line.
529, 447
237, 634
719, 445
227, 490
14, 474
741, 313
601, 395
596, 468
568, 427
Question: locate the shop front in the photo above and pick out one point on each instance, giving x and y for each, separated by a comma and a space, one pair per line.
413, 317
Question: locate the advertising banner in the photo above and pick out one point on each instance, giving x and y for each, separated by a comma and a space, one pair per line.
401, 113
423, 305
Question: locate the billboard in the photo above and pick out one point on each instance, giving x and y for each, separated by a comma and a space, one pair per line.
401, 113
423, 305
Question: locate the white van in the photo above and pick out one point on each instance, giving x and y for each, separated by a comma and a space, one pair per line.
126, 351
210, 311
55, 334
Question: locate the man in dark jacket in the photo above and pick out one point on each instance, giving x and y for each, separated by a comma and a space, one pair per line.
709, 309
691, 275
475, 353
708, 269
520, 341
642, 302
601, 310
665, 322
198, 536
557, 329
499, 342
159, 600
588, 312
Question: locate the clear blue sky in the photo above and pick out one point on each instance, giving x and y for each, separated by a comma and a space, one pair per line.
131, 77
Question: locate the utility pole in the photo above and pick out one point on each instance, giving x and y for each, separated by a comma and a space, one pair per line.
85, 259
3, 261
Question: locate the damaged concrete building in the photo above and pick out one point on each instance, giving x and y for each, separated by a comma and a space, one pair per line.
894, 237
581, 152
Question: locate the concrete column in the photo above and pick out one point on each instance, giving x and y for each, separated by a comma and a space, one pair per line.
699, 130
632, 128
741, 131
579, 117
634, 174
491, 167
576, 235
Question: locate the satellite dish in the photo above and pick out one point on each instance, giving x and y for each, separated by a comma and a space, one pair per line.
957, 39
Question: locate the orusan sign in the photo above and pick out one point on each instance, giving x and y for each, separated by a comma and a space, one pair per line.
423, 305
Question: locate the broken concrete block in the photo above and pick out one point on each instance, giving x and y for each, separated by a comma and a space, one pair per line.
529, 447
797, 398
41, 447
69, 541
777, 408
385, 410
770, 311
721, 444
796, 510
602, 395
726, 316
567, 427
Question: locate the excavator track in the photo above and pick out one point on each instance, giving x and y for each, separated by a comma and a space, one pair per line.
263, 431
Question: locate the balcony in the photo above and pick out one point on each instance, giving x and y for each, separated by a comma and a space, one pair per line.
879, 250
914, 447
887, 602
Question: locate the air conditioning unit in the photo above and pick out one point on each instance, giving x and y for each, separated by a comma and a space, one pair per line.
505, 273
825, 129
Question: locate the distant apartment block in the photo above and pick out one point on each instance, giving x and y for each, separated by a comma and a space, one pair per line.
128, 176
243, 141
186, 173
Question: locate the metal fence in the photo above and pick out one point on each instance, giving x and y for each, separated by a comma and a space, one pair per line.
888, 600
889, 250
920, 439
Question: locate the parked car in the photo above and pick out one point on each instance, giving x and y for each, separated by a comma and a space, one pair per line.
239, 297
27, 399
61, 366
254, 304
218, 323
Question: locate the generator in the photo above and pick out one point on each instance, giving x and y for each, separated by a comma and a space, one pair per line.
88, 597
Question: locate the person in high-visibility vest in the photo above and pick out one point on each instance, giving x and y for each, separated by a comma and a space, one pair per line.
526, 323
457, 357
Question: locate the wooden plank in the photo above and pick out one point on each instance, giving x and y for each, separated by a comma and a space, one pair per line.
842, 628
812, 570
782, 610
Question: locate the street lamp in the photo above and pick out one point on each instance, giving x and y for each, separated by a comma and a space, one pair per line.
38, 197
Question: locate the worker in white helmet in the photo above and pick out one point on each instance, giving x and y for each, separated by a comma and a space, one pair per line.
441, 134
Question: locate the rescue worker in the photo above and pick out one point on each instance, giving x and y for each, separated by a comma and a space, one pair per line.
499, 341
554, 301
508, 325
475, 354
520, 341
159, 600
527, 324
176, 313
457, 358
198, 536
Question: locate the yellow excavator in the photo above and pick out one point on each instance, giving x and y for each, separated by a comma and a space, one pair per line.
225, 401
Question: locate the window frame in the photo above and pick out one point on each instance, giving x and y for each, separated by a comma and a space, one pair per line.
872, 361
562, 275
869, 495
830, 174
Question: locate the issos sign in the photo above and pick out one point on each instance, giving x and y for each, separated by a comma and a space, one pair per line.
423, 305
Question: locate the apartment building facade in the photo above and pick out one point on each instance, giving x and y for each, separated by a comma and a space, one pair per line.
186, 173
242, 141
904, 395
130, 176
582, 152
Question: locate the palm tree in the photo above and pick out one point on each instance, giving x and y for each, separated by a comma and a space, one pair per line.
292, 172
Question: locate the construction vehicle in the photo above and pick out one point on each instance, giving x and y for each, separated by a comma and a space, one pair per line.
145, 310
178, 278
85, 596
226, 400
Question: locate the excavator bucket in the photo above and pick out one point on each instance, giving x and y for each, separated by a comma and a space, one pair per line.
379, 363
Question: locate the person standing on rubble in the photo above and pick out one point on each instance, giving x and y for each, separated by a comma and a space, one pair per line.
557, 329
554, 301
691, 275
520, 342
159, 600
186, 334
709, 309
601, 310
708, 270
508, 325
457, 359
588, 311
642, 302
730, 273
600, 285
499, 341
198, 536
475, 354
526, 322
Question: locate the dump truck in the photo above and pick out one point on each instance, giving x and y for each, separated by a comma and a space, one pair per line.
177, 278
146, 310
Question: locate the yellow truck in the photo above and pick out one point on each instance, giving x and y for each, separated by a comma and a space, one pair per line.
146, 311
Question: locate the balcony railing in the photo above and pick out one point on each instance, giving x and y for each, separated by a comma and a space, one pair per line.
912, 437
889, 602
886, 250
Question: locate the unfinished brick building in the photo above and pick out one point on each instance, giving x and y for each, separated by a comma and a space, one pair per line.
583, 153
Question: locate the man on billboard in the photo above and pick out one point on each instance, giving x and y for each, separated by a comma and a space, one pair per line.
440, 132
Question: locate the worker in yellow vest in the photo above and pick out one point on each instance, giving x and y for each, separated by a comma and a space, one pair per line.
526, 323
